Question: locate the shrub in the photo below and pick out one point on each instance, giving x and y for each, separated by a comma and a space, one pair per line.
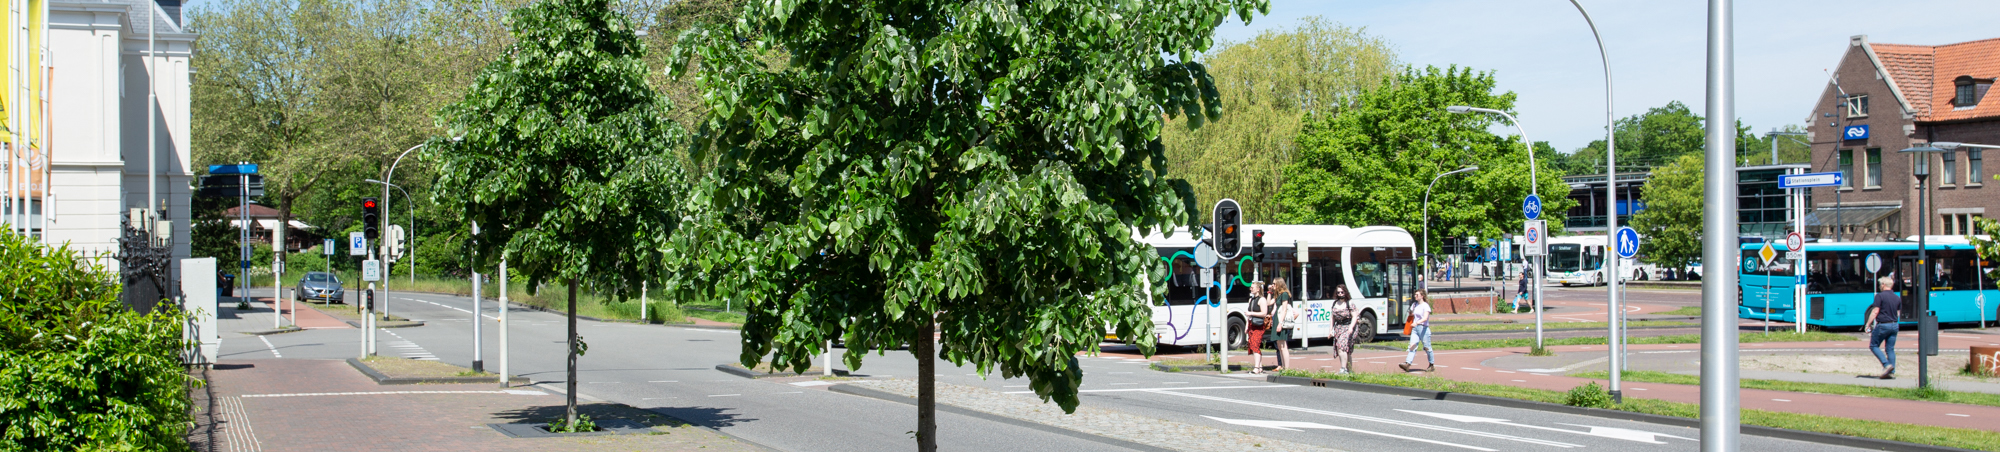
79, 370
1590, 395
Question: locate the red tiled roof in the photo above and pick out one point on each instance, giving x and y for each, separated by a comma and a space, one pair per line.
1925, 75
256, 211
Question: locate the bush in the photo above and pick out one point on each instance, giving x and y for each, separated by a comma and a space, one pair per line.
1590, 395
79, 370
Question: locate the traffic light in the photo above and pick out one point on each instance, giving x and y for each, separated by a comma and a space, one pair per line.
1229, 229
1257, 244
371, 220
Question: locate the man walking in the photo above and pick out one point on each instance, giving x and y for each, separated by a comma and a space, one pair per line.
1882, 325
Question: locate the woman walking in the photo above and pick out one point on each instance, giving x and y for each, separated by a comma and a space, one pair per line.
1260, 321
1420, 331
1285, 320
1343, 328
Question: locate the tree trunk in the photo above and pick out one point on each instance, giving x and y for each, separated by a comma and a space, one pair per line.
925, 346
570, 418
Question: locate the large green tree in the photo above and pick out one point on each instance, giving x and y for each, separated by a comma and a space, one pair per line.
566, 158
963, 177
1659, 137
1370, 164
1671, 221
1267, 84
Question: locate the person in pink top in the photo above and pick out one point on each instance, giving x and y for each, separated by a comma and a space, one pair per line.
1420, 333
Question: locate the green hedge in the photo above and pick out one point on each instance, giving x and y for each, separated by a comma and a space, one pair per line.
79, 370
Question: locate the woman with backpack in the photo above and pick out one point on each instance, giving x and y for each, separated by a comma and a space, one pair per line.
1342, 312
1285, 320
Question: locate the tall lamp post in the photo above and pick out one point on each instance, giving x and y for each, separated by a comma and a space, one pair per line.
412, 238
1613, 309
1427, 217
1533, 188
1926, 321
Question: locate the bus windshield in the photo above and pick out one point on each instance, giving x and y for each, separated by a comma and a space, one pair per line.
1565, 257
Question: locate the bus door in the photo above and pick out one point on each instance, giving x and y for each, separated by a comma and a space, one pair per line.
1906, 285
1402, 283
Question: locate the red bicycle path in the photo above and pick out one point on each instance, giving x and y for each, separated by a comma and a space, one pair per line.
1468, 366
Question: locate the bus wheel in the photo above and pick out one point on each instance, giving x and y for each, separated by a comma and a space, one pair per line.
1600, 280
1364, 329
1236, 335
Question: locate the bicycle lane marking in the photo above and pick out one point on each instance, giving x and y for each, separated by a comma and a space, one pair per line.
1358, 417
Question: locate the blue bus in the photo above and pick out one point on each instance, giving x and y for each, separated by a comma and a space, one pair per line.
1839, 287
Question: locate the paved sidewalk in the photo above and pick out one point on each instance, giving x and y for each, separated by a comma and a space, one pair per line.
292, 404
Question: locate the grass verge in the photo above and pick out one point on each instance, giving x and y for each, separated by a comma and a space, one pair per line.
1563, 325
1691, 311
1809, 336
553, 297
1926, 395
1920, 434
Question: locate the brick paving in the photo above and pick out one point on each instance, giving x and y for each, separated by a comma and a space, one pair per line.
1092, 420
286, 405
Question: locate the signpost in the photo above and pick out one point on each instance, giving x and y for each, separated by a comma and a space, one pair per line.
1535, 243
1795, 243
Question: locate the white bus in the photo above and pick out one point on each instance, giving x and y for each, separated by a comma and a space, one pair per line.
1579, 259
1378, 260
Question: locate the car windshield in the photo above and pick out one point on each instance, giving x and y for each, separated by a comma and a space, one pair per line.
319, 277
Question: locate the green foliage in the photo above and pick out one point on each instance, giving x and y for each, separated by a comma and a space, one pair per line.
983, 166
1924, 394
1987, 248
1267, 85
567, 156
583, 424
79, 370
1791, 148
1590, 395
1672, 220
1370, 164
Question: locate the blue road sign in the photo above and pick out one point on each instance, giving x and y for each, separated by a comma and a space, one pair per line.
1857, 132
1832, 179
1532, 207
245, 265
1628, 242
1492, 254
247, 168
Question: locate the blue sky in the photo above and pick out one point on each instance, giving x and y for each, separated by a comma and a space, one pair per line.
1542, 49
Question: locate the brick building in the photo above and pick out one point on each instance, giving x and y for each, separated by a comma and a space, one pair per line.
1888, 97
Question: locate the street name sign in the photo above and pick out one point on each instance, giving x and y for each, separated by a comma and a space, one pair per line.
1808, 180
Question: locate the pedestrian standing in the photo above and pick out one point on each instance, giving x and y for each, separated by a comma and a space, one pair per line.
1259, 318
1285, 322
1342, 312
1882, 325
1420, 331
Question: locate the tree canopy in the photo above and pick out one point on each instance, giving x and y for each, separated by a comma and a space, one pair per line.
1671, 220
1369, 164
974, 169
1659, 137
1267, 85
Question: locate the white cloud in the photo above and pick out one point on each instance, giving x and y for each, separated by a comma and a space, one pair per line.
1542, 50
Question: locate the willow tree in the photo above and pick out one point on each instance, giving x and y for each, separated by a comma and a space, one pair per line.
969, 171
566, 158
1268, 84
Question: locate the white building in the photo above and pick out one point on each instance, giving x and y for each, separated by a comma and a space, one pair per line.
103, 64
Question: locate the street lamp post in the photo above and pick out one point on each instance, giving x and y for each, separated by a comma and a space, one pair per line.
412, 237
1613, 309
1926, 320
1427, 217
384, 244
1533, 188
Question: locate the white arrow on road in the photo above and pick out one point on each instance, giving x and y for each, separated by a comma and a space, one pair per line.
1602, 432
1296, 426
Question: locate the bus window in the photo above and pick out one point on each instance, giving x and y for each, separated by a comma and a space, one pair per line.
1565, 257
1325, 274
1370, 269
1835, 272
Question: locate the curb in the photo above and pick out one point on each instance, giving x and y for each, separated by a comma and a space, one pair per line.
751, 374
872, 393
1771, 432
289, 329
381, 379
412, 324
595, 319
1194, 368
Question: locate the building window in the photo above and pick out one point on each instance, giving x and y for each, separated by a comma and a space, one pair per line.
1964, 97
1974, 173
1950, 168
1968, 91
1874, 168
1857, 105
1847, 167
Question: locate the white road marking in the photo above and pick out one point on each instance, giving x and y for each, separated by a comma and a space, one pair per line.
724, 395
1159, 389
1522, 381
1959, 415
1295, 426
811, 383
312, 394
1781, 400
1604, 432
267, 344
1375, 419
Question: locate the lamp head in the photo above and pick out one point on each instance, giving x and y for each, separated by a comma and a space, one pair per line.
1922, 166
1946, 145
1459, 109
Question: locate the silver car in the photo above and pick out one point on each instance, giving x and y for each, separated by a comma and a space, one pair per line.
321, 286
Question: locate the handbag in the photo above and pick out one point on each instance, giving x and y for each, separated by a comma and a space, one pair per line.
1409, 323
1256, 306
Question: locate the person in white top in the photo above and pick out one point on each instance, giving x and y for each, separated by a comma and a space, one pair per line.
1420, 333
